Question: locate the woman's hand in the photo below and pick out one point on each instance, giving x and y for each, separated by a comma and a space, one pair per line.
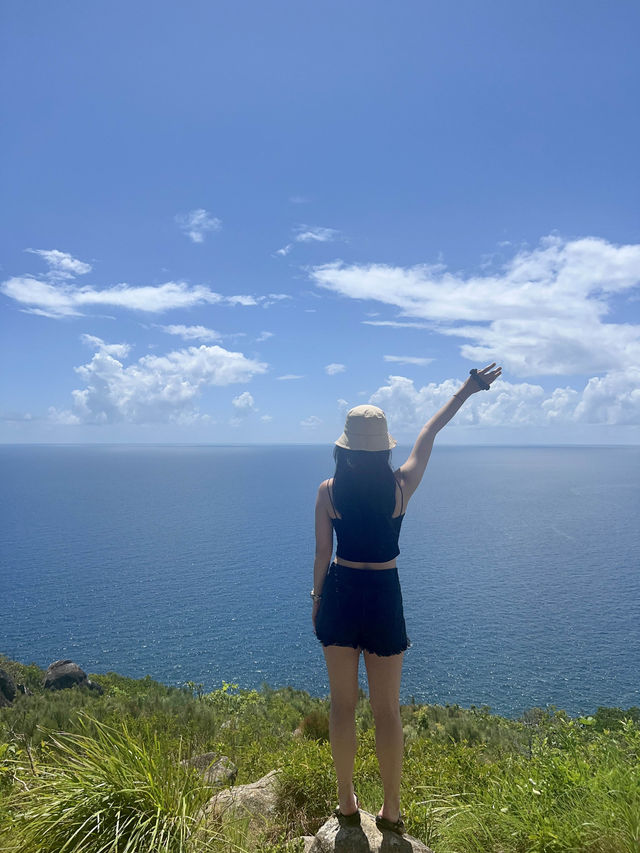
489, 374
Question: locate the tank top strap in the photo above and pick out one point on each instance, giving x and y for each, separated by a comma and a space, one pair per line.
331, 499
401, 497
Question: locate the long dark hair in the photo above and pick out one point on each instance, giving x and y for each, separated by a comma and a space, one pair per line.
364, 483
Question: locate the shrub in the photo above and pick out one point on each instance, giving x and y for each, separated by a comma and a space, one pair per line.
107, 792
316, 726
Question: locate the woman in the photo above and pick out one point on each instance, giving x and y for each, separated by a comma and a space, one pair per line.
357, 601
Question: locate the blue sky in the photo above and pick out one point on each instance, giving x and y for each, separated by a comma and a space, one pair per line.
229, 222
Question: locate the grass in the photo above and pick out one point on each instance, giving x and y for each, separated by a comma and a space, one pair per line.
83, 773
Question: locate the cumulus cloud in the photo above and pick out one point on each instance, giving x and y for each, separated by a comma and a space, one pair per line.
244, 403
333, 368
543, 312
154, 388
192, 333
408, 359
197, 223
614, 399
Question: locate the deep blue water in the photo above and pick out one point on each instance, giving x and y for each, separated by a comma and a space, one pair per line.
519, 566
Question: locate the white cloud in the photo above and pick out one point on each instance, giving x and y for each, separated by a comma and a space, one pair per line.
614, 399
266, 418
116, 350
196, 223
315, 234
154, 388
333, 368
61, 264
264, 336
408, 359
543, 312
192, 333
244, 403
611, 399
310, 234
288, 376
58, 300
396, 324
312, 422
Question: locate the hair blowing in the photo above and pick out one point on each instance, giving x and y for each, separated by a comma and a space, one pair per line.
364, 483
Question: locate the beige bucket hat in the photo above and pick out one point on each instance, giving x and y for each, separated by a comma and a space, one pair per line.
366, 429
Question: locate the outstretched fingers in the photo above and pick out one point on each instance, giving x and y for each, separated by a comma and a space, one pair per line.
489, 374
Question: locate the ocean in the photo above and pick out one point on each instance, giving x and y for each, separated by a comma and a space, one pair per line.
519, 568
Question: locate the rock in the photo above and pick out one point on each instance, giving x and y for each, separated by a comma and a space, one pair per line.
365, 838
257, 800
215, 771
93, 685
308, 841
7, 688
64, 673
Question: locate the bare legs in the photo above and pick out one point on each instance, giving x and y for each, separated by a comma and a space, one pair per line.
384, 675
342, 666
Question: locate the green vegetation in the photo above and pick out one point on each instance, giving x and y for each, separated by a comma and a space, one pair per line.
86, 773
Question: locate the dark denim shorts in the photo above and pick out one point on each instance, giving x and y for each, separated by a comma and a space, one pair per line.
362, 608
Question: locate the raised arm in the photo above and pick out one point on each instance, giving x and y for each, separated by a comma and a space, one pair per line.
413, 469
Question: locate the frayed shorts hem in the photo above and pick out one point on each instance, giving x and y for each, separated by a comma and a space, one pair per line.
379, 652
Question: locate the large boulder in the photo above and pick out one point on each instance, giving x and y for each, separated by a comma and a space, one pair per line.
366, 838
64, 673
257, 801
7, 688
216, 771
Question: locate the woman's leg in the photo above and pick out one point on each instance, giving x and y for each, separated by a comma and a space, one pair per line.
384, 675
342, 666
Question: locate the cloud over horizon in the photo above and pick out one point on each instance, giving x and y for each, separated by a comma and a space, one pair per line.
154, 389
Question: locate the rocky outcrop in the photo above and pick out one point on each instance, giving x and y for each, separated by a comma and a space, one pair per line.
257, 801
366, 838
216, 771
7, 689
62, 674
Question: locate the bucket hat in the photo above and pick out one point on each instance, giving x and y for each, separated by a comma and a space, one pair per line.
366, 429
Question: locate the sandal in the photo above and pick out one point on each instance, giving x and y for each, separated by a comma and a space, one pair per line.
393, 826
349, 819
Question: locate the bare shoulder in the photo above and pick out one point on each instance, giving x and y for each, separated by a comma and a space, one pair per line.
323, 491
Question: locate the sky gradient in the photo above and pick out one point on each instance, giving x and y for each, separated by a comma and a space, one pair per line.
230, 222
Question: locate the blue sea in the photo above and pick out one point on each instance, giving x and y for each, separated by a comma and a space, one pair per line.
519, 568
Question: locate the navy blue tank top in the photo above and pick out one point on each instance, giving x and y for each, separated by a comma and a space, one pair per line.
373, 540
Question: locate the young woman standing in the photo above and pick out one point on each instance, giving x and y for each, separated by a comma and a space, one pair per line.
357, 600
